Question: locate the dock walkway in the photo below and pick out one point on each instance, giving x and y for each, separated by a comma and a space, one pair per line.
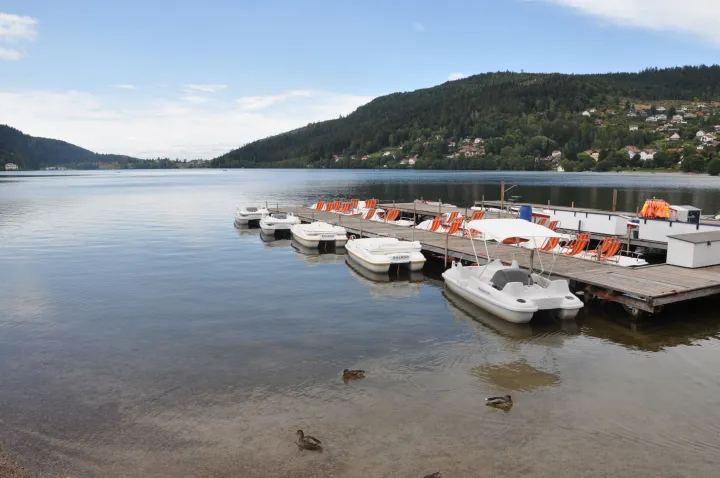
645, 288
430, 210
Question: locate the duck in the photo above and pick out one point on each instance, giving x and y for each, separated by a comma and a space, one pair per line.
307, 442
505, 401
353, 374
437, 474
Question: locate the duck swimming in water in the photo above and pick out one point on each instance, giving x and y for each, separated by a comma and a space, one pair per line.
505, 401
306, 442
353, 374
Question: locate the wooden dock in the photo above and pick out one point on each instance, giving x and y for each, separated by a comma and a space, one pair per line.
424, 210
646, 288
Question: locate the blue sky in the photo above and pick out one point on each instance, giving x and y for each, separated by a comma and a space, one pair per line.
194, 79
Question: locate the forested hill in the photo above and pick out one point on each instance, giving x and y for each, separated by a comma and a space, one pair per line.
519, 118
30, 152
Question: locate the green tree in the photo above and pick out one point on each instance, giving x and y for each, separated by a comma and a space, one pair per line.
713, 167
693, 164
604, 165
662, 159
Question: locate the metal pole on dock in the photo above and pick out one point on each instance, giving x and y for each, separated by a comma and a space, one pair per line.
447, 238
629, 232
266, 206
361, 223
614, 200
440, 207
572, 204
482, 203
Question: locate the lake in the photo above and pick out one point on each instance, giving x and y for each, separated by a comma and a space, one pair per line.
141, 334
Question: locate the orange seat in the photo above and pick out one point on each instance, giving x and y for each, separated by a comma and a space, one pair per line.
550, 244
455, 227
371, 203
345, 208
542, 221
452, 217
477, 215
320, 205
392, 215
437, 222
612, 251
354, 203
553, 225
577, 246
514, 240
370, 213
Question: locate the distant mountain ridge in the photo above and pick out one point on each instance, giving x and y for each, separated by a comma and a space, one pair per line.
30, 152
511, 112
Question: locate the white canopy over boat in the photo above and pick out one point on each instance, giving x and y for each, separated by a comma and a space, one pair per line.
499, 230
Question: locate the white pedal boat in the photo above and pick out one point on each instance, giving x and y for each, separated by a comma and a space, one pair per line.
272, 223
379, 253
311, 235
243, 215
510, 292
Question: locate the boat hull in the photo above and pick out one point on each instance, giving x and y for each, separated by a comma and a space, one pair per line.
516, 317
315, 243
381, 260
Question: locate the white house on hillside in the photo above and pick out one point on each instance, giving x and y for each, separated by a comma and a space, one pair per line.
647, 154
586, 113
634, 127
700, 134
11, 167
651, 119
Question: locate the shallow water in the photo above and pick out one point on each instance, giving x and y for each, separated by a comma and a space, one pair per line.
141, 334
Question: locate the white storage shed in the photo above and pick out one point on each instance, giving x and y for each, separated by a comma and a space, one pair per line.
696, 249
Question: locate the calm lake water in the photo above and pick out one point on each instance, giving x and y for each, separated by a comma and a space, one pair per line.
141, 334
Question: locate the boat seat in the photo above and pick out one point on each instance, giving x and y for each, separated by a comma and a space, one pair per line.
251, 209
280, 215
503, 277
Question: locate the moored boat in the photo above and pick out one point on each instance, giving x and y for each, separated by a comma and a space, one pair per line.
272, 223
510, 292
244, 215
313, 234
378, 254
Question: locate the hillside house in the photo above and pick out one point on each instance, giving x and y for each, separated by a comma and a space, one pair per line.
413, 160
683, 108
404, 162
717, 128
700, 134
651, 119
708, 138
677, 119
336, 157
632, 114
611, 112
556, 154
700, 147
560, 169
634, 127
690, 116
452, 145
586, 113
661, 117
660, 109
675, 137
478, 141
642, 112
387, 153
11, 167
632, 151
647, 154
364, 158
599, 122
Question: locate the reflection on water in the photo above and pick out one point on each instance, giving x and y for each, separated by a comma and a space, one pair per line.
142, 335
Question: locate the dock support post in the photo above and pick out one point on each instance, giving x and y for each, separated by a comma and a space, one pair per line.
414, 214
482, 203
447, 238
614, 200
439, 207
361, 223
502, 194
572, 204
277, 207
266, 206
313, 215
629, 235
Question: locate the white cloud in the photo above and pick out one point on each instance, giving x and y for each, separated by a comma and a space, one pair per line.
251, 103
10, 55
198, 100
205, 88
695, 17
124, 86
418, 27
15, 29
456, 76
178, 128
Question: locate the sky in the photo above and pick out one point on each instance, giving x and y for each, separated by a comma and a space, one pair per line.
190, 79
